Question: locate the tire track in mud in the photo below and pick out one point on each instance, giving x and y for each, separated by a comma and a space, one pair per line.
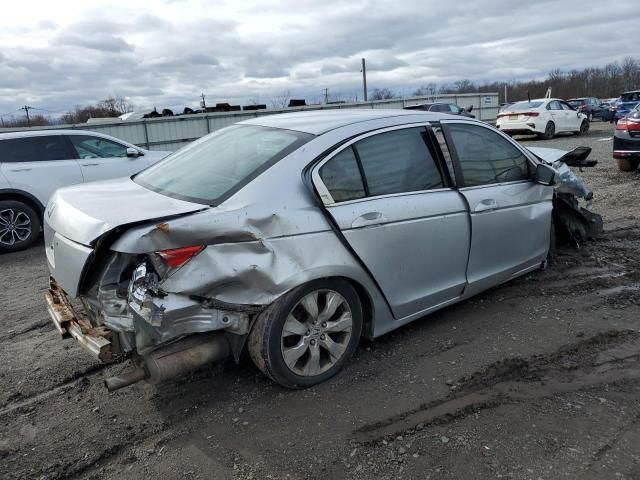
18, 402
605, 358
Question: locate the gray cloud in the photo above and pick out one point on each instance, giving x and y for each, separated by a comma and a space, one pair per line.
258, 50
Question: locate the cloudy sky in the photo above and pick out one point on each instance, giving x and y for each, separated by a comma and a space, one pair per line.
56, 54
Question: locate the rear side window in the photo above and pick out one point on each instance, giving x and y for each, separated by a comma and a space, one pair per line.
486, 157
398, 161
342, 177
33, 149
555, 105
96, 147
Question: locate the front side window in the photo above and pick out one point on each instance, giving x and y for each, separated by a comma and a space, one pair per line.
566, 106
96, 147
454, 108
398, 161
554, 105
214, 167
33, 149
486, 157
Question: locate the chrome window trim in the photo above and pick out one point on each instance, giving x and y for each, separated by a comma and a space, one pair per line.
323, 191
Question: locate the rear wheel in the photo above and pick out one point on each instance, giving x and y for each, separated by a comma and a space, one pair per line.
627, 164
308, 335
549, 131
19, 226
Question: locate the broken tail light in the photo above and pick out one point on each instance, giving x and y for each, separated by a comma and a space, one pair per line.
177, 257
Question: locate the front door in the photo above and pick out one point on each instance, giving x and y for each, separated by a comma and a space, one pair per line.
101, 159
510, 213
387, 195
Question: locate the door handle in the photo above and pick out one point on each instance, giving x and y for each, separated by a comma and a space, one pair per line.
90, 164
20, 169
368, 219
486, 205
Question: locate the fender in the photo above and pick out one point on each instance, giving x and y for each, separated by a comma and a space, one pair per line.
21, 193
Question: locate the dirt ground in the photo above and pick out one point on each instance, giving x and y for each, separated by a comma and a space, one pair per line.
535, 379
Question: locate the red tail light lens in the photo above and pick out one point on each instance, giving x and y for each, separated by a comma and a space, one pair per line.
633, 125
525, 114
177, 257
622, 124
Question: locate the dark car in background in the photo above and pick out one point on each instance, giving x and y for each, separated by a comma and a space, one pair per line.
607, 109
441, 107
590, 106
626, 141
625, 104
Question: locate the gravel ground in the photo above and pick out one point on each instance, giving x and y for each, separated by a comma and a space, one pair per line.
535, 379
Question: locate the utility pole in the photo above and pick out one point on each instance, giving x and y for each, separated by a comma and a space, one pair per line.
364, 79
202, 102
26, 109
326, 95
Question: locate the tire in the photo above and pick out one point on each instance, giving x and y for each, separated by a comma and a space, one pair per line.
19, 226
549, 131
289, 358
627, 164
584, 128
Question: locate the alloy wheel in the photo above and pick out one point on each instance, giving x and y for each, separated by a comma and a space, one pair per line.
15, 226
316, 333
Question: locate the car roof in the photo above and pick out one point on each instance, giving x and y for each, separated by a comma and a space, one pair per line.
52, 131
318, 122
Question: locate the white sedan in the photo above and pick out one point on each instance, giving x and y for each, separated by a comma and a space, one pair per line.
543, 117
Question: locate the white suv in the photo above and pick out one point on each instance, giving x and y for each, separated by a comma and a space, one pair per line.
34, 164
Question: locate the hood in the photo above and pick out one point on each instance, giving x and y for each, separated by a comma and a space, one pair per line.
85, 212
574, 158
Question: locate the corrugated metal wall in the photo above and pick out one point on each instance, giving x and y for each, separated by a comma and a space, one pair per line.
171, 133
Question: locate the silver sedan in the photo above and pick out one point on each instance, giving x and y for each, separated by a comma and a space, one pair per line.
292, 236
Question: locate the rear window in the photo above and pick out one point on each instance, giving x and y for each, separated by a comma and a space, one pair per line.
519, 106
211, 169
33, 149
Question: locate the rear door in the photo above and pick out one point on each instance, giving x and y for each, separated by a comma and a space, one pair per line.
38, 165
101, 159
391, 198
557, 115
510, 213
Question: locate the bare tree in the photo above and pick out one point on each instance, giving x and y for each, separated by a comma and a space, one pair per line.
109, 107
282, 100
429, 89
382, 94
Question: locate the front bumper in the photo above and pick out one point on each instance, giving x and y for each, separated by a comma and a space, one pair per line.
96, 340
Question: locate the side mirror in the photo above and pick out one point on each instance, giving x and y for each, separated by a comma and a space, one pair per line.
133, 153
469, 108
545, 175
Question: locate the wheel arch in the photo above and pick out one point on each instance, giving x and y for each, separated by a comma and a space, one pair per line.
24, 197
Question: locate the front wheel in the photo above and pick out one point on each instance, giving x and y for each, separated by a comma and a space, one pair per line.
19, 226
584, 128
309, 334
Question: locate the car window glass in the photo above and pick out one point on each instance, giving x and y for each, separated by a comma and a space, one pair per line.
96, 147
555, 105
398, 161
442, 108
566, 106
33, 149
342, 178
486, 157
454, 108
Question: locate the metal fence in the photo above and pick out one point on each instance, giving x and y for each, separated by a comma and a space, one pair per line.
171, 133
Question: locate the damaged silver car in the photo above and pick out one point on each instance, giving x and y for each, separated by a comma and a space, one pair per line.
291, 237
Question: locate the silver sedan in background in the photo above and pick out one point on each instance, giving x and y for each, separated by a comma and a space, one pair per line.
292, 236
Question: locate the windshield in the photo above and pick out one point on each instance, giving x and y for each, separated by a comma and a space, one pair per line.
522, 106
215, 167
